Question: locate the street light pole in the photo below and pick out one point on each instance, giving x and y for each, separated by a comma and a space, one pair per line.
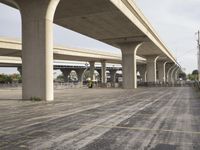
198, 54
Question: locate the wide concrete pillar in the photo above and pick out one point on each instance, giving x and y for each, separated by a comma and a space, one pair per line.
161, 66
37, 48
66, 72
143, 72
92, 68
151, 68
103, 72
129, 65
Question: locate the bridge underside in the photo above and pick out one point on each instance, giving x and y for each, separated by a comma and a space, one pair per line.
119, 23
103, 21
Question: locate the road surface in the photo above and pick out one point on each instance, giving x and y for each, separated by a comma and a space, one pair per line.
102, 119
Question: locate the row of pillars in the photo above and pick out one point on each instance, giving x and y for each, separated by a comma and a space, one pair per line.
80, 72
37, 51
155, 70
159, 71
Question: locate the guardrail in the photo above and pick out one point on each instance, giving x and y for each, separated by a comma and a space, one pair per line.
196, 85
163, 84
10, 85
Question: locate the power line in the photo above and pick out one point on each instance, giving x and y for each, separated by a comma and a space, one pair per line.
183, 54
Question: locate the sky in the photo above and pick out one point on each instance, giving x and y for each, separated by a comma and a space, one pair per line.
175, 21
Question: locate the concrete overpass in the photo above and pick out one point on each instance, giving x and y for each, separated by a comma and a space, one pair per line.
13, 48
116, 22
11, 53
10, 56
67, 66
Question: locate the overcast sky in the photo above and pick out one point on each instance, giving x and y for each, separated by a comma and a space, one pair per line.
176, 21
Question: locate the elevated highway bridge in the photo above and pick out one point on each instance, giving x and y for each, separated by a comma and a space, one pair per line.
116, 22
11, 53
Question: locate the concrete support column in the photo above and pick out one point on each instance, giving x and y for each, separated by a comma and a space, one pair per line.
103, 73
173, 74
168, 67
169, 73
143, 72
161, 71
92, 68
129, 65
113, 77
79, 73
199, 76
177, 73
151, 68
99, 71
19, 69
37, 48
66, 72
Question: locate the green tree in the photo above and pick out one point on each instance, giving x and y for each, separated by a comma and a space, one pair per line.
60, 78
10, 78
195, 74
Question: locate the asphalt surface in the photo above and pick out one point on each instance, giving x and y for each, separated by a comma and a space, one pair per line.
102, 119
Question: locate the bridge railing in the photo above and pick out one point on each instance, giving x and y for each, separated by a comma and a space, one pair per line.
196, 85
163, 84
10, 85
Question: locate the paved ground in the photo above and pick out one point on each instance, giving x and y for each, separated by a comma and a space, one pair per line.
102, 119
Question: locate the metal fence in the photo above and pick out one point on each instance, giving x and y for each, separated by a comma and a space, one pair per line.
10, 85
163, 84
196, 85
68, 85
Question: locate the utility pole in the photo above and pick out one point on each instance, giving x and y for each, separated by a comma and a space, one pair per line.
198, 54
